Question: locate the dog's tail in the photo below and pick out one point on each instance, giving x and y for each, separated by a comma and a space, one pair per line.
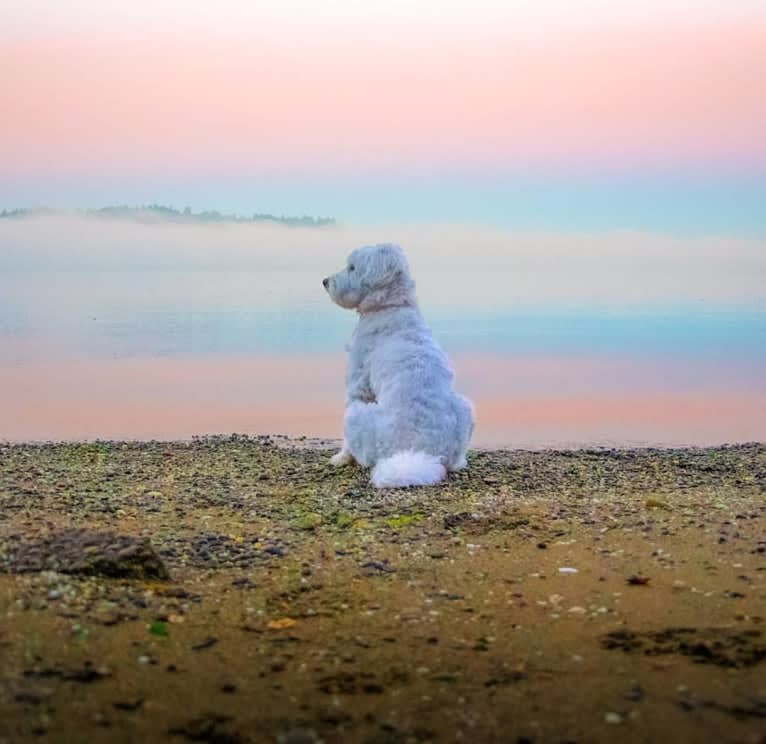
408, 468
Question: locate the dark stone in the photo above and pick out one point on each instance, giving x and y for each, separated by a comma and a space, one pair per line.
372, 688
85, 674
207, 728
88, 553
30, 698
130, 707
207, 643
382, 567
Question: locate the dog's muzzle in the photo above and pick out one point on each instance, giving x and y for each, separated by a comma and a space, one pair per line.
326, 282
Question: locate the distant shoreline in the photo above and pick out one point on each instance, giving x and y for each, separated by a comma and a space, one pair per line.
153, 213
320, 443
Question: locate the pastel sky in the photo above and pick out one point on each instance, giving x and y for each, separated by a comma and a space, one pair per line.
581, 115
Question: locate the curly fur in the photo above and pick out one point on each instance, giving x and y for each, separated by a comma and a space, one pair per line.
402, 418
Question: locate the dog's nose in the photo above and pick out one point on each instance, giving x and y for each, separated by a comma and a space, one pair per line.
326, 282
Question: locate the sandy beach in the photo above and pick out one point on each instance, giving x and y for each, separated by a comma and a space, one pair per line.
240, 589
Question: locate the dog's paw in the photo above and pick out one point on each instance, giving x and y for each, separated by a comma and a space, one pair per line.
343, 457
461, 464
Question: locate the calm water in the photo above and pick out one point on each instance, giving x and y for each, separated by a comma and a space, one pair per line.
114, 330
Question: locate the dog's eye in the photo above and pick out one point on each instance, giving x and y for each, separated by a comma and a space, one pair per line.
351, 267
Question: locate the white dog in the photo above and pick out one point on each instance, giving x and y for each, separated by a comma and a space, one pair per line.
402, 417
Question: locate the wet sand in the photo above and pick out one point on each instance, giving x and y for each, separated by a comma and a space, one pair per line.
241, 590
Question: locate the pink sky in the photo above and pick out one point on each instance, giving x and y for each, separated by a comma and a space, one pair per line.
650, 94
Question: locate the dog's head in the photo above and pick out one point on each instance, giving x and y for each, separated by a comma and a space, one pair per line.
375, 277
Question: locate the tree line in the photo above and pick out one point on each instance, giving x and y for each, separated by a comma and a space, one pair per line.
158, 211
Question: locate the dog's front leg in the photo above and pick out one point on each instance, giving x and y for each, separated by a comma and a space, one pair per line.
358, 389
358, 385
344, 456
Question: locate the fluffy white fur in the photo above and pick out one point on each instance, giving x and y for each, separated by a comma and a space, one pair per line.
402, 418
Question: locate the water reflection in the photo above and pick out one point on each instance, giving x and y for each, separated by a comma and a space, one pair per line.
520, 401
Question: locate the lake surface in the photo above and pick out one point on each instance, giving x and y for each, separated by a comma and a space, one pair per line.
121, 330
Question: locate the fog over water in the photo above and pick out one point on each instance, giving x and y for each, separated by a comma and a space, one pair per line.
112, 328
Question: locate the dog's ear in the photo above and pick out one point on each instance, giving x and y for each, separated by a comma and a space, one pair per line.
388, 265
386, 279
